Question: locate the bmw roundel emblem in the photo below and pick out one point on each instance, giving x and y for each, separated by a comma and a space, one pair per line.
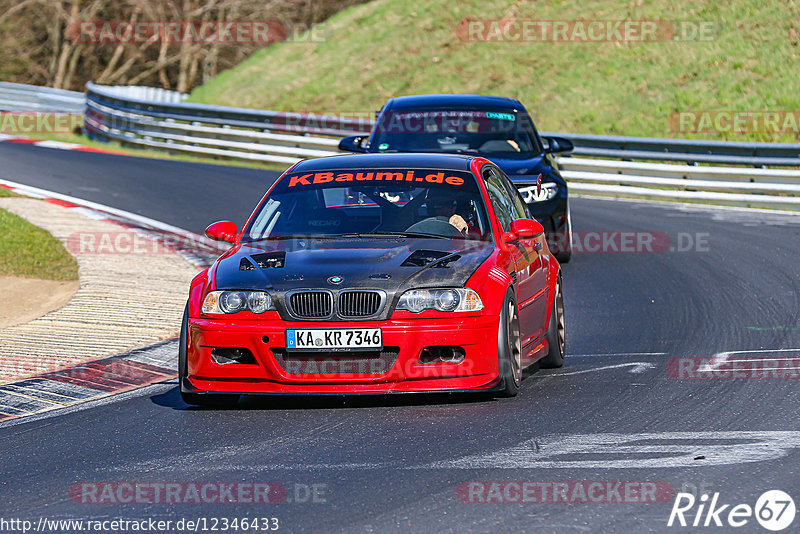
336, 280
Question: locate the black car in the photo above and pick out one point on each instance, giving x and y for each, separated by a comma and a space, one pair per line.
496, 128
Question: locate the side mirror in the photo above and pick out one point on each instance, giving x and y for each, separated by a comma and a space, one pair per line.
222, 231
558, 145
526, 228
353, 143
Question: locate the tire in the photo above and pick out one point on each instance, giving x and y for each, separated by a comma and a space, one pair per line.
556, 333
196, 399
563, 256
508, 348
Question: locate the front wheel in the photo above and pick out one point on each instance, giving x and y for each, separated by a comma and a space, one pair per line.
508, 347
556, 333
564, 253
196, 399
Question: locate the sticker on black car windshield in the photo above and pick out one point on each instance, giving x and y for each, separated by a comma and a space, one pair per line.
501, 116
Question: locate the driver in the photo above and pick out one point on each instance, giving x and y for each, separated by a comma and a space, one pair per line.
443, 206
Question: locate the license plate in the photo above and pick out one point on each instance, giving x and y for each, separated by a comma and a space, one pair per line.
336, 339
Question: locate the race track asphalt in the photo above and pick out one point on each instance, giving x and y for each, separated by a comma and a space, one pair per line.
613, 413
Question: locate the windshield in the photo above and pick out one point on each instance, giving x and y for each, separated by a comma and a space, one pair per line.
502, 134
375, 203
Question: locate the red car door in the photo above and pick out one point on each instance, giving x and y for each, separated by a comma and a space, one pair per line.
533, 310
528, 273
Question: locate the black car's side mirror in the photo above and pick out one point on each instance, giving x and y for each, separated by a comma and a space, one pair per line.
353, 143
557, 145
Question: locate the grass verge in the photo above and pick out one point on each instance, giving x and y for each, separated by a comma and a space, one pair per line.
31, 252
745, 62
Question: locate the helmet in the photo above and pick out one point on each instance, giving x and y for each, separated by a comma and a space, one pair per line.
440, 198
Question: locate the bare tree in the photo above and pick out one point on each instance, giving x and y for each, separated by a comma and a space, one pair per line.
47, 42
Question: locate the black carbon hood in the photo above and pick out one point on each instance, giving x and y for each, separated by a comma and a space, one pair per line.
392, 265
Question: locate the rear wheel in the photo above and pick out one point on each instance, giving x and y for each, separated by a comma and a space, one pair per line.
508, 347
196, 399
556, 333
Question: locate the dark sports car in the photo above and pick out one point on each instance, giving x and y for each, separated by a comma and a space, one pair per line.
499, 129
375, 274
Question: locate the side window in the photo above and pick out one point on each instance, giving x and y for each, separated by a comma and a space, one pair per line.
503, 207
520, 210
533, 132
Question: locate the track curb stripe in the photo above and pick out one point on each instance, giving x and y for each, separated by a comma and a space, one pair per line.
194, 248
59, 145
89, 381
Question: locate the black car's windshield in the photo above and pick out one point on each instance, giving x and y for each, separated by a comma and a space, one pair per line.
373, 203
498, 133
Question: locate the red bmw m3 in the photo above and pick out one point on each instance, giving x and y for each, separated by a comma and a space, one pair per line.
382, 273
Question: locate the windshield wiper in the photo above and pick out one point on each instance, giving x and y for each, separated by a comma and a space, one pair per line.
394, 234
348, 235
288, 237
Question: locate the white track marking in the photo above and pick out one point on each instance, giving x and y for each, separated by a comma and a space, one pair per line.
58, 144
636, 368
656, 450
634, 451
44, 193
721, 358
617, 354
688, 207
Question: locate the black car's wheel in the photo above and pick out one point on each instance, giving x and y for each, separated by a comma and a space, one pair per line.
196, 399
564, 253
508, 347
556, 333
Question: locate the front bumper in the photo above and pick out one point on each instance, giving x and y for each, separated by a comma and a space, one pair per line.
397, 369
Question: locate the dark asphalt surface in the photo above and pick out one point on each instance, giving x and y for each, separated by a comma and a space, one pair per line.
183, 194
386, 464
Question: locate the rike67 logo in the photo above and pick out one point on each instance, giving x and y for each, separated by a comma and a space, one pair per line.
774, 510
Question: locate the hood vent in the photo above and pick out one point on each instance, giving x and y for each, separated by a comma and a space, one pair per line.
447, 261
246, 265
421, 258
270, 260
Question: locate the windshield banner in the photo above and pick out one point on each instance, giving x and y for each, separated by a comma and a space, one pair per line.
394, 177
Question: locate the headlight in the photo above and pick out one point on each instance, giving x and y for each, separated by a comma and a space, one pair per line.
236, 301
549, 190
445, 300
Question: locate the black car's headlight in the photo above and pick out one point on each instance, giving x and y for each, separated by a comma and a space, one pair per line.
444, 300
236, 301
530, 195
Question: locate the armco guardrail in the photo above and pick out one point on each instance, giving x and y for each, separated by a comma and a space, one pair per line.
20, 97
685, 150
737, 186
132, 117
